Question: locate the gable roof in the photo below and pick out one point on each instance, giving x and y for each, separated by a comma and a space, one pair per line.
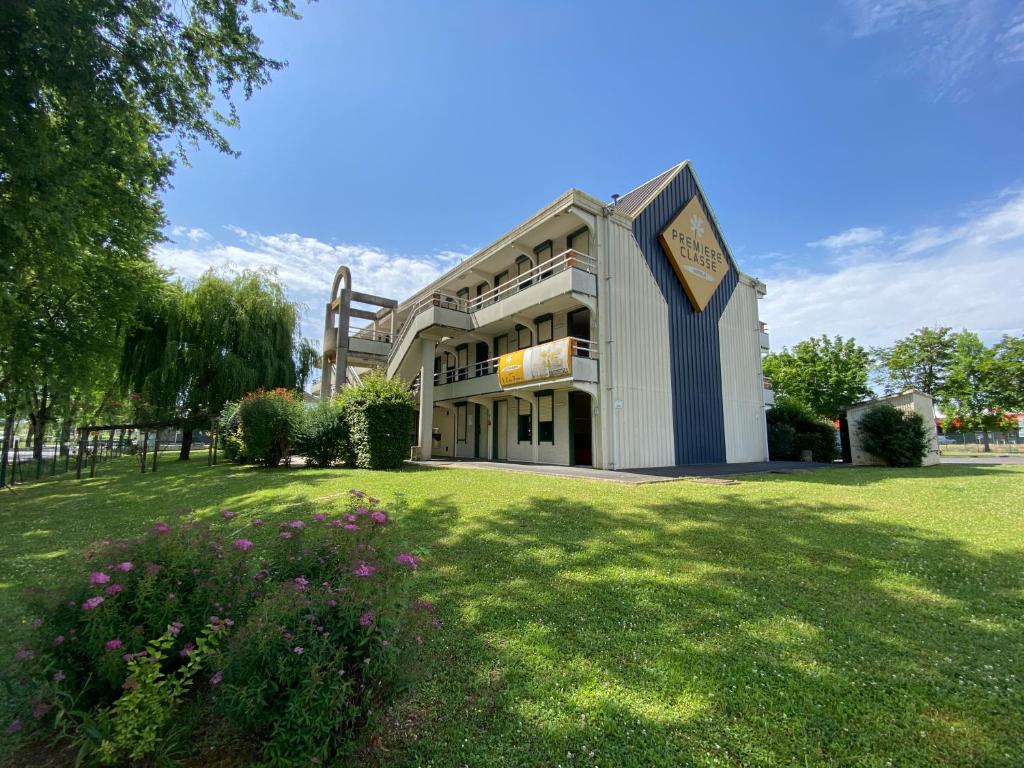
634, 201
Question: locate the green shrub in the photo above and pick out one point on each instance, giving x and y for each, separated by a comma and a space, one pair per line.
379, 412
267, 422
793, 428
322, 436
898, 438
228, 429
288, 640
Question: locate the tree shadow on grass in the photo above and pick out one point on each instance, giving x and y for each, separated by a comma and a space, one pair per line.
861, 476
728, 631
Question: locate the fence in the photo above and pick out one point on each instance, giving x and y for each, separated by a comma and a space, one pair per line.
90, 448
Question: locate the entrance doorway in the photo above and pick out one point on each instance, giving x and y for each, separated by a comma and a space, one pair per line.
580, 429
578, 326
477, 431
500, 430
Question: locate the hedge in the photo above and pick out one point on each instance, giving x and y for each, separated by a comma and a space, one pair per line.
898, 438
793, 428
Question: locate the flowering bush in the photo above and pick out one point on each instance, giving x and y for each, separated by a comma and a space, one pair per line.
288, 635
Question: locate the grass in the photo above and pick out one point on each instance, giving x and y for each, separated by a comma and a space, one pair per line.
862, 617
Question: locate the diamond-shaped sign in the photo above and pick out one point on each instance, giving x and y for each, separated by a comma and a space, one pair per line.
693, 251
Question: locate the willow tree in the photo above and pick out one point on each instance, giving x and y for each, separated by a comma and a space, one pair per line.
99, 99
205, 344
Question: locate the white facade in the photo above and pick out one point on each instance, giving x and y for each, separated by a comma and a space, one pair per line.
911, 401
574, 270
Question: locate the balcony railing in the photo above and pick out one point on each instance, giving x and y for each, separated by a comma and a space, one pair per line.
580, 348
569, 259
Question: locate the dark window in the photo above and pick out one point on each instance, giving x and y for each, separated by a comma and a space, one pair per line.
546, 418
461, 413
524, 338
579, 241
500, 279
525, 422
500, 345
523, 266
462, 361
545, 328
542, 254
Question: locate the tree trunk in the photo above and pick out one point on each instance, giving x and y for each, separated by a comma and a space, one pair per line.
39, 425
984, 441
65, 437
8, 435
186, 444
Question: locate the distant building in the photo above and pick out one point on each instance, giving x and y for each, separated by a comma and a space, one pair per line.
910, 401
614, 335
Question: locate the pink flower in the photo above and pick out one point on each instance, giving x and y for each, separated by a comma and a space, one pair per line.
98, 577
113, 645
350, 527
320, 517
366, 619
161, 528
258, 522
58, 676
187, 649
175, 627
113, 589
39, 709
152, 569
58, 640
216, 677
350, 518
404, 558
364, 569
23, 654
92, 603
380, 517
125, 566
301, 583
286, 534
243, 545
298, 649
227, 514
360, 510
261, 574
14, 727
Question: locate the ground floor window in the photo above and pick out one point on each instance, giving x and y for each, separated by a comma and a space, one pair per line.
461, 412
545, 417
525, 422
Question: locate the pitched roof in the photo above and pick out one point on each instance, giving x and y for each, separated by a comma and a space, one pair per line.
637, 199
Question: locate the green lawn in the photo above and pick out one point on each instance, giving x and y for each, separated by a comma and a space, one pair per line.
859, 617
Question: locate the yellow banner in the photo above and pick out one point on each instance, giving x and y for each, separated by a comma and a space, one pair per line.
544, 361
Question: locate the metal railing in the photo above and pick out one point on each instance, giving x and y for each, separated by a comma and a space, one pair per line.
580, 348
569, 259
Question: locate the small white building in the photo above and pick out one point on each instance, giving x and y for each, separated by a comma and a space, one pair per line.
910, 401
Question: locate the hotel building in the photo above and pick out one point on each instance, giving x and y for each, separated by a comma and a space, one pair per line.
615, 335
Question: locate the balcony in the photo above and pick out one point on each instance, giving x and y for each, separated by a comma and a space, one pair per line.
567, 273
768, 392
481, 378
762, 336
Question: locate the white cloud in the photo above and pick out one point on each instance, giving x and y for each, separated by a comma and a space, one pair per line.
305, 266
851, 237
968, 275
950, 40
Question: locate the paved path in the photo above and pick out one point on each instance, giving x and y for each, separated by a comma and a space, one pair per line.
634, 476
983, 460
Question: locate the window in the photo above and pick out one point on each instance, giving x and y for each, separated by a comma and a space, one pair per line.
524, 338
461, 361
463, 296
525, 422
481, 289
579, 241
545, 328
500, 345
461, 415
543, 253
500, 279
523, 266
545, 417
449, 365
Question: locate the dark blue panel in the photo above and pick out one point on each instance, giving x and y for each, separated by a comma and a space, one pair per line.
697, 414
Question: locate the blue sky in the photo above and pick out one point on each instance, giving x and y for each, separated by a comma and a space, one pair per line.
865, 158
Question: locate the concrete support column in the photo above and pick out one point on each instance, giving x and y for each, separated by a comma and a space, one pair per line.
325, 370
426, 426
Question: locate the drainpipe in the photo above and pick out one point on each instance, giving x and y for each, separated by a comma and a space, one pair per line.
603, 303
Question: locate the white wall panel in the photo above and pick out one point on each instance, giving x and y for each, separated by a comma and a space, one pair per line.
742, 398
639, 334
